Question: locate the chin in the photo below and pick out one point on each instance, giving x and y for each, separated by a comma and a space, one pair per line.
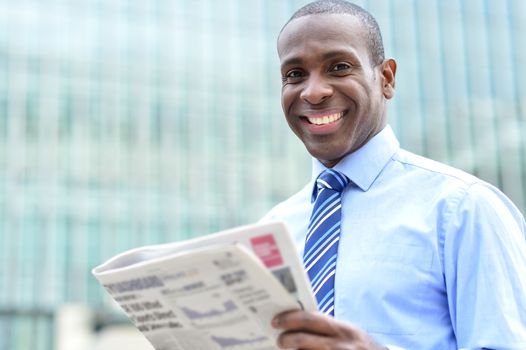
329, 160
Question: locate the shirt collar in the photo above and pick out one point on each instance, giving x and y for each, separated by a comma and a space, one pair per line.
364, 165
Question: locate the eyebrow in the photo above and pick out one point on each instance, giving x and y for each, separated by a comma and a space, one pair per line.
325, 56
292, 61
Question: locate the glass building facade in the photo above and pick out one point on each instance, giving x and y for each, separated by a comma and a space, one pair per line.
125, 123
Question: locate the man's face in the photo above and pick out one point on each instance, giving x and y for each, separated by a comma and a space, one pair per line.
332, 96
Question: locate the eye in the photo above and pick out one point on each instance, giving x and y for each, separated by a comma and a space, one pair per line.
293, 76
339, 67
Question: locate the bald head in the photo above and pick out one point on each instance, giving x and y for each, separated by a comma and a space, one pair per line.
373, 34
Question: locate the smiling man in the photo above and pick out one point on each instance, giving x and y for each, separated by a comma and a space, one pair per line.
334, 87
402, 252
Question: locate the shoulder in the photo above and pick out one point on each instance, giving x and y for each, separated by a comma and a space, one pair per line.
469, 203
456, 193
413, 163
484, 210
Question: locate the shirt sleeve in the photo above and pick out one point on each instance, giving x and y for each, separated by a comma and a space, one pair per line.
484, 261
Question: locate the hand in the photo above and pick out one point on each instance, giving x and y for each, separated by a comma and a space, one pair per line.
309, 330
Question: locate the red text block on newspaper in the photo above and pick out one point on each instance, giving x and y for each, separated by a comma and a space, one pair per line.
267, 250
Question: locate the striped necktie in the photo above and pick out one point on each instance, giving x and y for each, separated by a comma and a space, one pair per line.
323, 234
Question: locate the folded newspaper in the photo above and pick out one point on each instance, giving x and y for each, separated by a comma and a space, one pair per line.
219, 291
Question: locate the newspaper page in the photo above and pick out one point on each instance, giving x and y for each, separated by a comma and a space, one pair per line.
215, 292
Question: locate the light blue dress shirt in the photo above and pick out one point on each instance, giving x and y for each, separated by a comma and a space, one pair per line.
430, 257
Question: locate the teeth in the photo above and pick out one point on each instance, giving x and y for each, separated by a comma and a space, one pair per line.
326, 119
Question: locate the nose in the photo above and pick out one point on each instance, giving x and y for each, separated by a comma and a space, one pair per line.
316, 90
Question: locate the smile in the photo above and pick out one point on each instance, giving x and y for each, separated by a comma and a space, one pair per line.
326, 119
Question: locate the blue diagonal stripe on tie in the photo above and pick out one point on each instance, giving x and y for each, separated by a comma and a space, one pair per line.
315, 219
328, 307
326, 284
322, 237
330, 264
325, 238
321, 220
338, 177
326, 248
328, 201
323, 300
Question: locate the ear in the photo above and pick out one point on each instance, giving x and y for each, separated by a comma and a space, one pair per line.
388, 78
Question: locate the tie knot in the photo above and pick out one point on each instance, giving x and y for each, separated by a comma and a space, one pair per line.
333, 180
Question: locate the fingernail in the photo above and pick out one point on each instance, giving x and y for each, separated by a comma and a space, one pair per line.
275, 322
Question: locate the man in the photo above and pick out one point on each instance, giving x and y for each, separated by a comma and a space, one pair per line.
423, 256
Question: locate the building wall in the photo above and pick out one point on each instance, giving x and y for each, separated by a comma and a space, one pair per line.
124, 123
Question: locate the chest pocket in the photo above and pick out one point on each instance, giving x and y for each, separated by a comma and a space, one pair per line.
383, 290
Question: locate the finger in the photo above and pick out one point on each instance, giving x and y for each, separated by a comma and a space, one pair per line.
309, 322
305, 341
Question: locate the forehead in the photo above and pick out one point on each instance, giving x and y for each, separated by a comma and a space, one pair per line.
325, 32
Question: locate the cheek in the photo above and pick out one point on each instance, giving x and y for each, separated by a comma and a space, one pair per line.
288, 96
362, 92
361, 97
